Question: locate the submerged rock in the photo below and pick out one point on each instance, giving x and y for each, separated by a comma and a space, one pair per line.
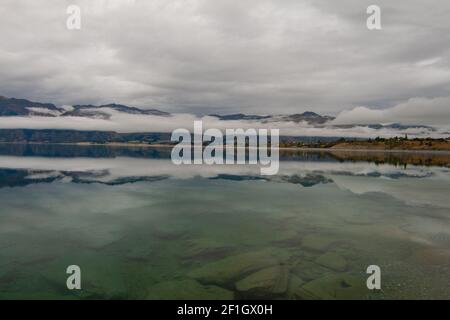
169, 232
334, 286
316, 242
295, 283
234, 267
205, 249
288, 238
266, 283
333, 261
308, 270
99, 236
432, 257
101, 276
140, 252
359, 219
187, 290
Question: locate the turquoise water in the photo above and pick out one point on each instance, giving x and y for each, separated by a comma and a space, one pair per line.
142, 228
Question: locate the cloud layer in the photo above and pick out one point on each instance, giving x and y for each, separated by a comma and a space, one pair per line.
414, 111
123, 122
222, 56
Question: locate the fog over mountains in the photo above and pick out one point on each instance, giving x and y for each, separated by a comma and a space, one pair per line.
23, 107
113, 118
307, 67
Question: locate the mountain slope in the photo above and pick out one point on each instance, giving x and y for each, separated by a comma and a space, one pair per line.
22, 107
308, 117
99, 111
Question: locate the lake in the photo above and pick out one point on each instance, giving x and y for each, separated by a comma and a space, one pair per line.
140, 227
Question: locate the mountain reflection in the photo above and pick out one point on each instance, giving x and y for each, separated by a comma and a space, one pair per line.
23, 165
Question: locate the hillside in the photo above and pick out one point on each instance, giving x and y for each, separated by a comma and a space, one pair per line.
395, 144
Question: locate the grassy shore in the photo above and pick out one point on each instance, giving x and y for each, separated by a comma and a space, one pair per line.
379, 144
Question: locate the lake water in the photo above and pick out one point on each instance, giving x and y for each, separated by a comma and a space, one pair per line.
140, 227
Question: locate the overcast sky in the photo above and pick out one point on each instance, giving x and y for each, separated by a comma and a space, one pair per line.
227, 56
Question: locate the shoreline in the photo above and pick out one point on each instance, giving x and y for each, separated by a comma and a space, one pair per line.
144, 145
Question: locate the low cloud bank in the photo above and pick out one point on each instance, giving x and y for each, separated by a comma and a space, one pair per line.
414, 111
121, 122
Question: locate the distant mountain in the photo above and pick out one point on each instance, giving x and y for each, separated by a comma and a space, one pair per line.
240, 116
77, 136
23, 107
309, 117
103, 137
314, 119
99, 111
379, 126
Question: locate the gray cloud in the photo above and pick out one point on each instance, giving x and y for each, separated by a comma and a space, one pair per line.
414, 111
255, 56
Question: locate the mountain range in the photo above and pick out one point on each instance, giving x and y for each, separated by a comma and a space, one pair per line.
25, 111
23, 107
308, 117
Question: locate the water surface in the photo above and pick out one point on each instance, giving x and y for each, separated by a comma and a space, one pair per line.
141, 228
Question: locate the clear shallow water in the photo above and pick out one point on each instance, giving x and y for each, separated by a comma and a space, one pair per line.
140, 227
